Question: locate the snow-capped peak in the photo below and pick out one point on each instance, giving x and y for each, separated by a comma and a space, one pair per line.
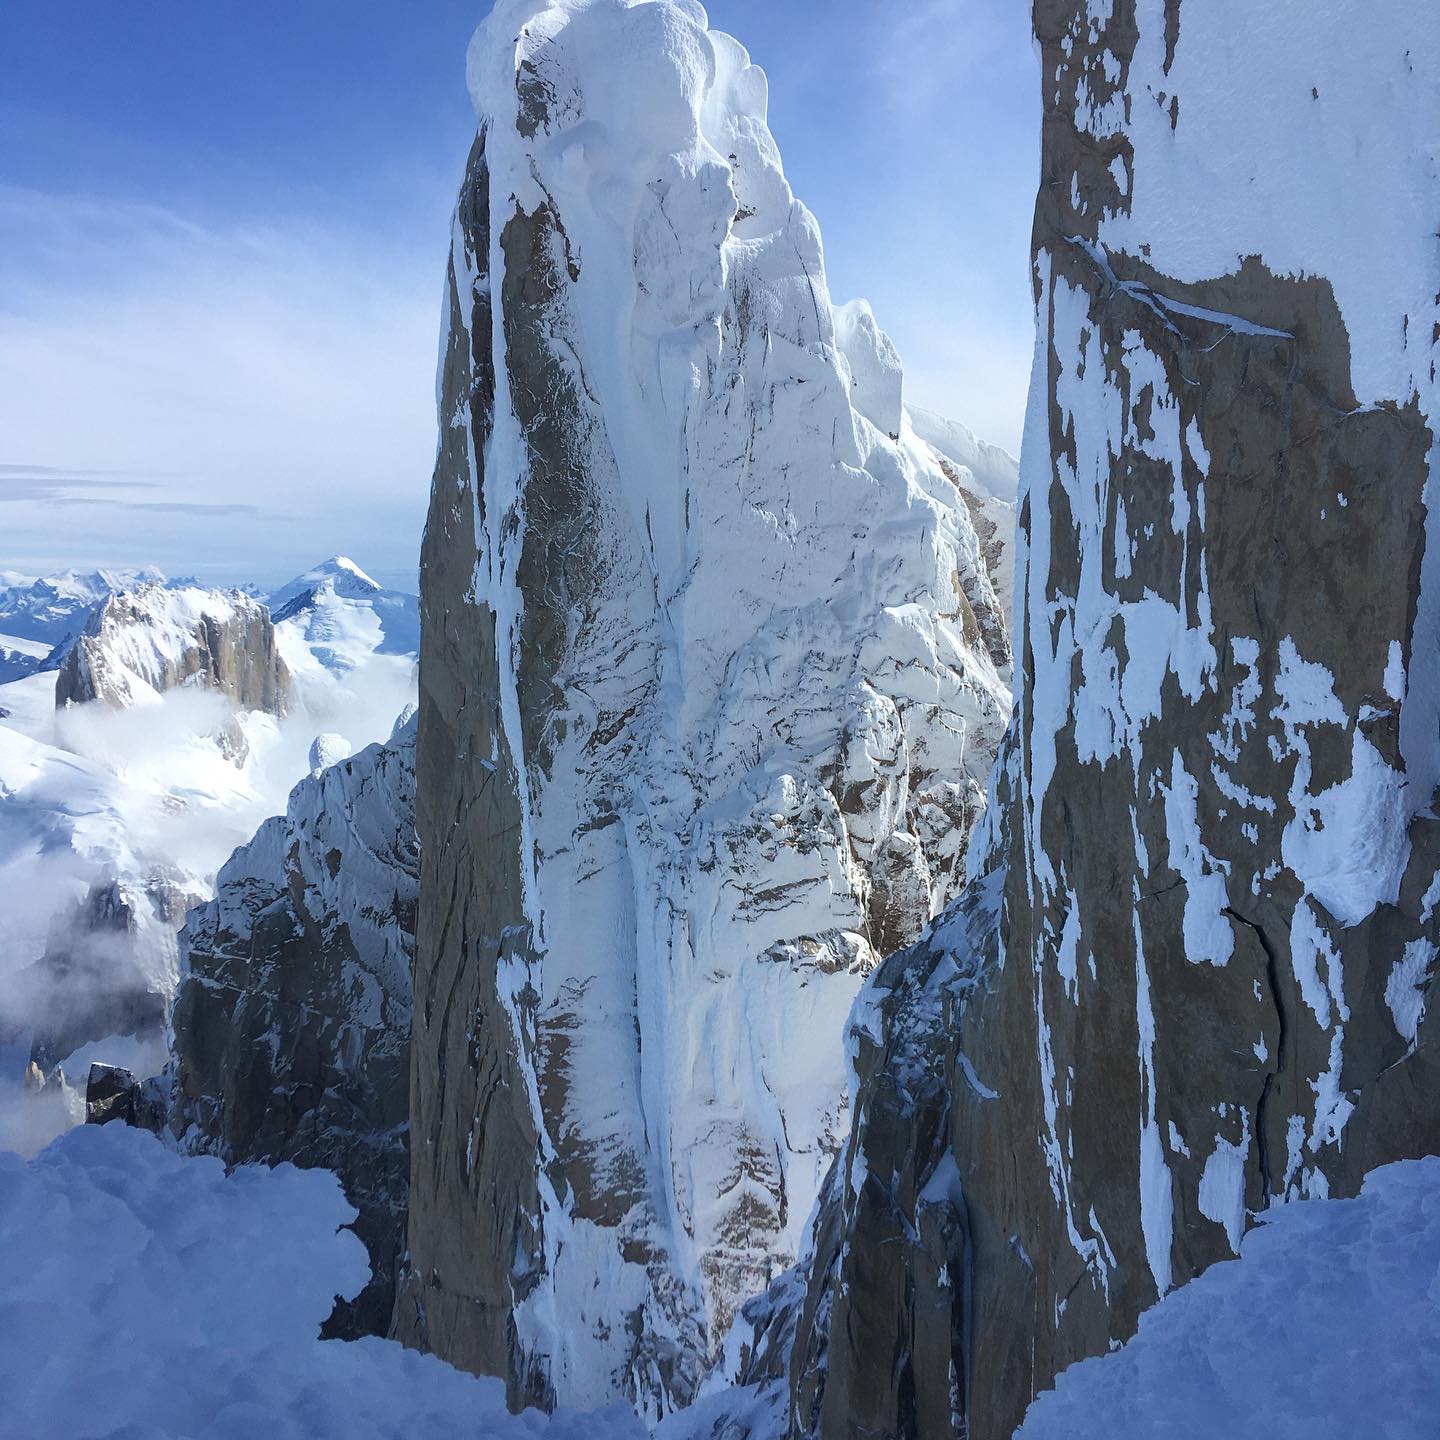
339, 574
335, 616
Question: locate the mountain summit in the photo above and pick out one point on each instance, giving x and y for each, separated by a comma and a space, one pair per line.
340, 574
337, 615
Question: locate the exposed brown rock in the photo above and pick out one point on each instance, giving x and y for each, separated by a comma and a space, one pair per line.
160, 638
1163, 1008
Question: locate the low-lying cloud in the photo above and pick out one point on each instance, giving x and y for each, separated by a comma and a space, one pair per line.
150, 796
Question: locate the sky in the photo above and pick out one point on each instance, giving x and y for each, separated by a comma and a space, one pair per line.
224, 228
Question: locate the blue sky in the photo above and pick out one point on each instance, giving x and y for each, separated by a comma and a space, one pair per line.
223, 230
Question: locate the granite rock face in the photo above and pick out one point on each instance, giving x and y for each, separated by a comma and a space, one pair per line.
156, 637
712, 668
1189, 979
291, 1024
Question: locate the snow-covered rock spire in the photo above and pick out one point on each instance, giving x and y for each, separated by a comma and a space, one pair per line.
712, 668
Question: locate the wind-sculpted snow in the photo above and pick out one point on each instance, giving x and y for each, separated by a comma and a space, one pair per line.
1321, 1331
1202, 989
985, 477
291, 1028
713, 668
995, 472
151, 1294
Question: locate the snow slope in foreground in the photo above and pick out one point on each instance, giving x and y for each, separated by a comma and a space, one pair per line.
162, 1298
1326, 1328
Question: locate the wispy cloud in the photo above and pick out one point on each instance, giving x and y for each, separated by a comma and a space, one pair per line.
179, 372
26, 472
49, 485
52, 485
166, 507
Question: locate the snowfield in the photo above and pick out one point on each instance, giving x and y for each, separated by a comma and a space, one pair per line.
1326, 1328
162, 1298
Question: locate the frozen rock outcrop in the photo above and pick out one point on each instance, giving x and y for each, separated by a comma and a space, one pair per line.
291, 1025
141, 642
712, 670
1190, 978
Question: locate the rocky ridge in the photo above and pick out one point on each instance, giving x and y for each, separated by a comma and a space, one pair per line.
139, 643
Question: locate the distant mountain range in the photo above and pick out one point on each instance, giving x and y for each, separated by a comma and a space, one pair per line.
40, 616
116, 815
333, 614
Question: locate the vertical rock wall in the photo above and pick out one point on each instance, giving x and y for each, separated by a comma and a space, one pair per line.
1192, 979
